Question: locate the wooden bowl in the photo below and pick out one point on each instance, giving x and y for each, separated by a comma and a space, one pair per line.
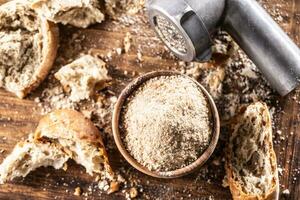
133, 86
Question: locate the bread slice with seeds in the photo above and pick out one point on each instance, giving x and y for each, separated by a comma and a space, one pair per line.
28, 46
251, 164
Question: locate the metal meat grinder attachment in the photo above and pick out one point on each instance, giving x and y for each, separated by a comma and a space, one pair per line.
188, 26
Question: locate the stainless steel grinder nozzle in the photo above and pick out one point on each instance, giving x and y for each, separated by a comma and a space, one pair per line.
187, 28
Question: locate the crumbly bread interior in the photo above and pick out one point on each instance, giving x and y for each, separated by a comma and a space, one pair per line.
82, 76
20, 45
116, 7
89, 156
79, 138
30, 155
252, 158
79, 13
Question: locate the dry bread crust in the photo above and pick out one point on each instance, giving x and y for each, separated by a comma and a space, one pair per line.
79, 137
51, 32
68, 124
78, 13
255, 116
28, 47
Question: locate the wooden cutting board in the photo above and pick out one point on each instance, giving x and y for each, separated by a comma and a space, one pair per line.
20, 117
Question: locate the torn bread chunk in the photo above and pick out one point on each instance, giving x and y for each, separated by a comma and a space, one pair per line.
60, 135
28, 46
78, 13
82, 76
78, 136
30, 155
251, 164
114, 8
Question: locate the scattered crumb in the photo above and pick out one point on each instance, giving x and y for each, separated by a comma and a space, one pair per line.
286, 192
216, 162
280, 170
140, 57
97, 178
65, 167
77, 191
127, 42
225, 182
114, 187
119, 51
103, 185
133, 192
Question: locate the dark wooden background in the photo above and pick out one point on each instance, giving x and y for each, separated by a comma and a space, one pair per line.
20, 117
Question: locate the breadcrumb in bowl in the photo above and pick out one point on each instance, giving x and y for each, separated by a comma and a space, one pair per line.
117, 131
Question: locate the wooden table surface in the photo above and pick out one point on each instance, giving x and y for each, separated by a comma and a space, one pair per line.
20, 117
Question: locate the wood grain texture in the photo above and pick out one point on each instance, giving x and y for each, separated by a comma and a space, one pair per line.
20, 117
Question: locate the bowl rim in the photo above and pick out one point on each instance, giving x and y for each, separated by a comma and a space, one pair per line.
133, 86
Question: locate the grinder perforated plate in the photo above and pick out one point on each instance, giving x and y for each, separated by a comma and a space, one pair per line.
170, 35
181, 29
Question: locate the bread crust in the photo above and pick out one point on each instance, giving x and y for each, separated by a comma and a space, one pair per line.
68, 124
235, 187
3, 1
51, 42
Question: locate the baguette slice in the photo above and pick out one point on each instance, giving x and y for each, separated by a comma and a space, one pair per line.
251, 164
28, 47
79, 138
29, 155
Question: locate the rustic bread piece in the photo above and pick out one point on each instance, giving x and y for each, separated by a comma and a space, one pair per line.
82, 76
79, 13
60, 135
79, 137
29, 155
28, 46
251, 161
116, 7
